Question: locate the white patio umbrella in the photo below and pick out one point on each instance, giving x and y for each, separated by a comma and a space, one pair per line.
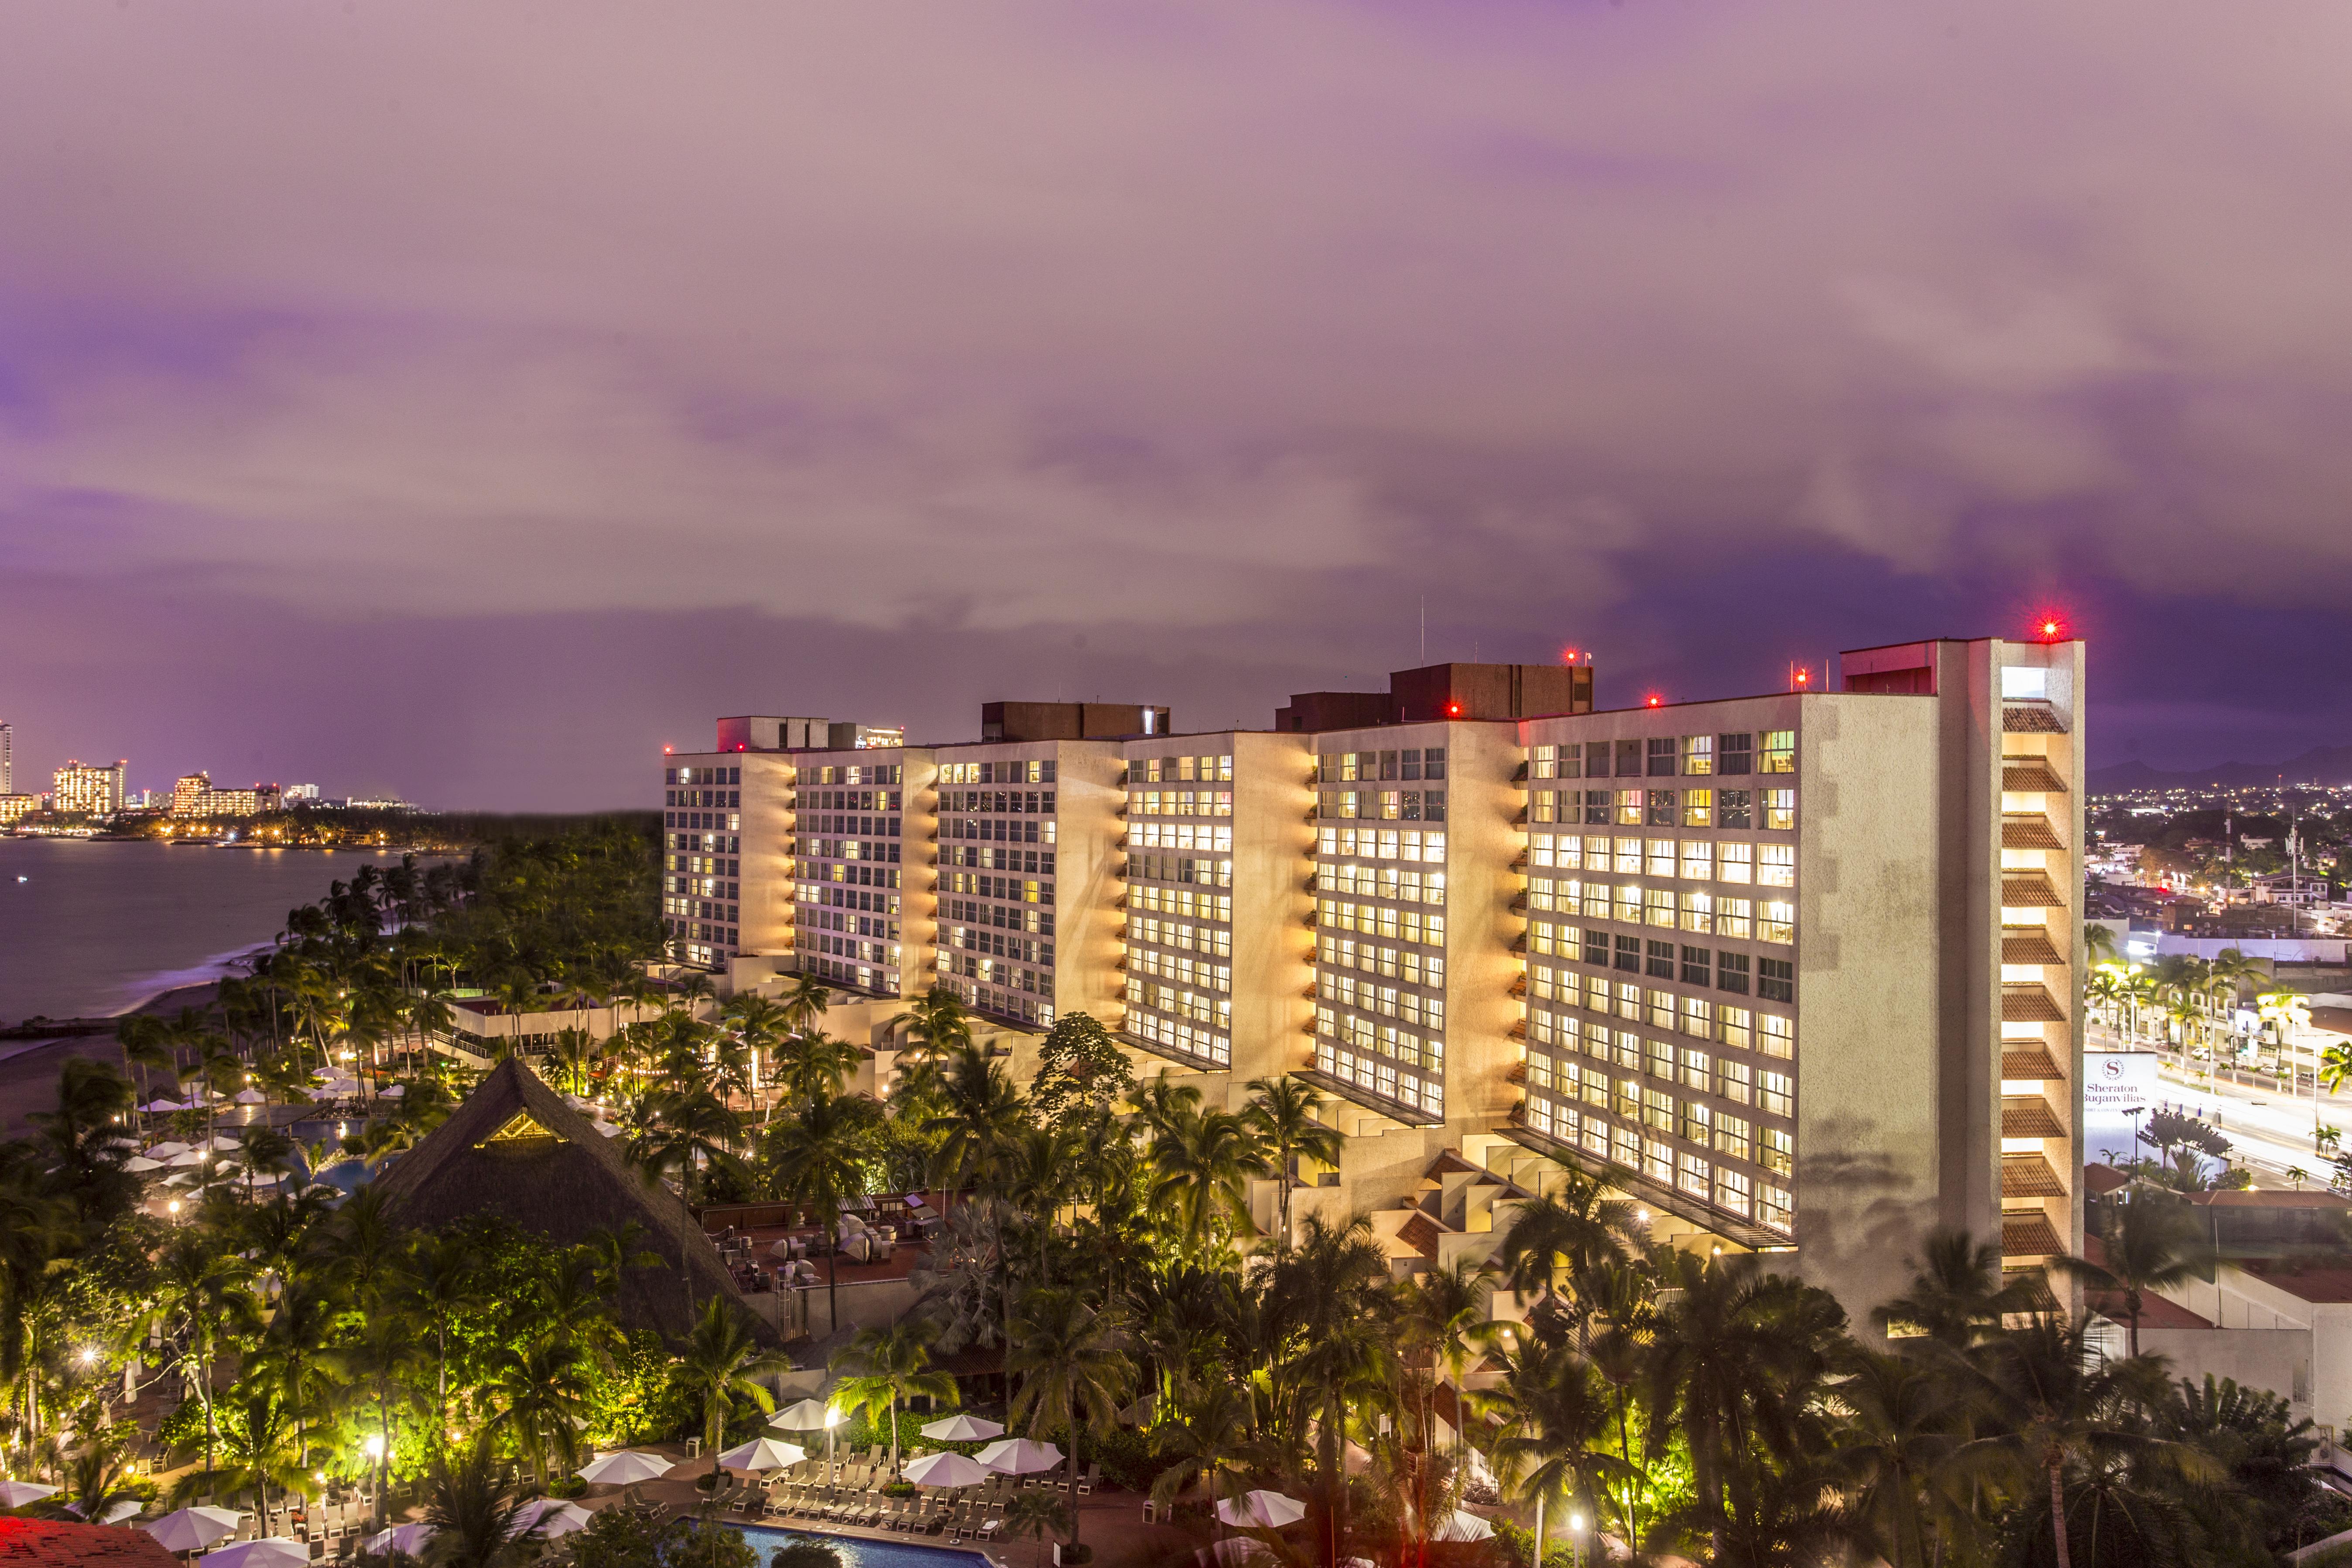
1463, 1526
250, 1097
141, 1164
16, 1494
406, 1538
269, 1551
962, 1428
808, 1415
225, 1141
947, 1468
1020, 1457
1262, 1510
626, 1469
397, 1091
193, 1529
188, 1160
165, 1150
761, 1454
609, 1129
120, 1510
547, 1517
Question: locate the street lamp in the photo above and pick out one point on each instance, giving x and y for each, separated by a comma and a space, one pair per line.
1576, 1539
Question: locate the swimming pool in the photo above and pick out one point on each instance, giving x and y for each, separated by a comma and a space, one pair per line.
857, 1551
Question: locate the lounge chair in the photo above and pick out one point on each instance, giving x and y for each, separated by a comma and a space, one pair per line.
988, 1530
1092, 1479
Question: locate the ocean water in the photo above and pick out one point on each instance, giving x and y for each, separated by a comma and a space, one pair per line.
92, 929
858, 1553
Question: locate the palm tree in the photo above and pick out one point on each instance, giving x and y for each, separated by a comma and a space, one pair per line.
206, 1293
1074, 1368
891, 1363
2146, 1244
1207, 1440
543, 1388
1037, 1514
1907, 1501
1956, 1293
1553, 1419
476, 1520
722, 1363
1443, 1309
259, 1450
440, 1284
2051, 1405
2098, 943
1734, 1357
1281, 1112
1200, 1165
1328, 1304
938, 1025
818, 1158
1575, 1229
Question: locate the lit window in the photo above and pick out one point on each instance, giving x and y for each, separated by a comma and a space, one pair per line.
1777, 754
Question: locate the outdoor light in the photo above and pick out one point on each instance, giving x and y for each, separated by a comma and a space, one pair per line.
1576, 1521
373, 1447
1655, 700
89, 1355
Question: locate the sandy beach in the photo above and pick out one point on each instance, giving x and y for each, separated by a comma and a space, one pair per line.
29, 1076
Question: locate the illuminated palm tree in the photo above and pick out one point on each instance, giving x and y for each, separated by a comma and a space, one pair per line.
818, 1158
1200, 1167
886, 1365
1282, 1112
722, 1364
1074, 1369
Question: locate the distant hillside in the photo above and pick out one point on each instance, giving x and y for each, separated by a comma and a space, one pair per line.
2320, 765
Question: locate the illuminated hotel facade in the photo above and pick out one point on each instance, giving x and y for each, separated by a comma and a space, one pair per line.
88, 788
1796, 972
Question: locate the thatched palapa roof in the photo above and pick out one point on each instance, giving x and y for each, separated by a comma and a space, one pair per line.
515, 1150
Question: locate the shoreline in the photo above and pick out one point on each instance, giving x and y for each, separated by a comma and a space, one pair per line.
28, 1073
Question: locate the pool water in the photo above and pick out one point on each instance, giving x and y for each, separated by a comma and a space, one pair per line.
859, 1553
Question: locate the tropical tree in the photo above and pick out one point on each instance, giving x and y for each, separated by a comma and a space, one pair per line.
817, 1157
721, 1362
1281, 1112
2146, 1244
1552, 1418
1201, 1165
889, 1364
1074, 1369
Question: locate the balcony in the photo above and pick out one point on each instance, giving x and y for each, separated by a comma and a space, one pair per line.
2029, 1236
2029, 830
2029, 1116
2030, 716
2029, 1176
2034, 1065
2029, 776
2029, 947
2028, 890
2030, 1003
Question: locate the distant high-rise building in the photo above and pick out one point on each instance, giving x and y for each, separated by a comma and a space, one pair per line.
194, 794
303, 792
88, 788
7, 760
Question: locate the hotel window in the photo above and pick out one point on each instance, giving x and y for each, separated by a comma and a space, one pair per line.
1731, 809
1658, 1110
1776, 1151
1776, 922
1596, 807
1736, 863
1733, 754
1658, 908
1775, 980
1543, 763
1697, 966
1777, 754
1628, 859
1698, 913
1698, 808
1738, 1024
1661, 809
1629, 808
1698, 1017
1732, 919
1662, 1004
1661, 758
1775, 1207
1593, 901
1731, 1133
1731, 972
1571, 852
1694, 1173
1658, 1162
1695, 1073
1658, 1060
1659, 860
1776, 865
1775, 1092
1730, 1190
1628, 904
1628, 1000
1543, 806
1780, 810
1698, 756
1776, 1035
1596, 948
1731, 1080
1629, 759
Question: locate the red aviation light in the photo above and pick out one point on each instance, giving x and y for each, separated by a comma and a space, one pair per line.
2049, 625
1454, 710
1655, 700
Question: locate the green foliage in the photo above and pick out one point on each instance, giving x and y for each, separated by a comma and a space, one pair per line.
1079, 1067
804, 1555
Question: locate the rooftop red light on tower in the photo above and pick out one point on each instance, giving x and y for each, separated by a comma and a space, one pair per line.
1655, 700
2049, 625
1454, 710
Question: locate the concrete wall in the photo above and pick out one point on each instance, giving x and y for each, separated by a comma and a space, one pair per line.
1868, 1041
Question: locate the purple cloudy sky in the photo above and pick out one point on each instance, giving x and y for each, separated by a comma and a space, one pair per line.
466, 400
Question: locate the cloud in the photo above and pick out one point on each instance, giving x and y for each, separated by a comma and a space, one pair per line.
1176, 328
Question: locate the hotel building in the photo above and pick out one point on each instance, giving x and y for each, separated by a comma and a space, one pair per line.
88, 788
194, 794
1796, 973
